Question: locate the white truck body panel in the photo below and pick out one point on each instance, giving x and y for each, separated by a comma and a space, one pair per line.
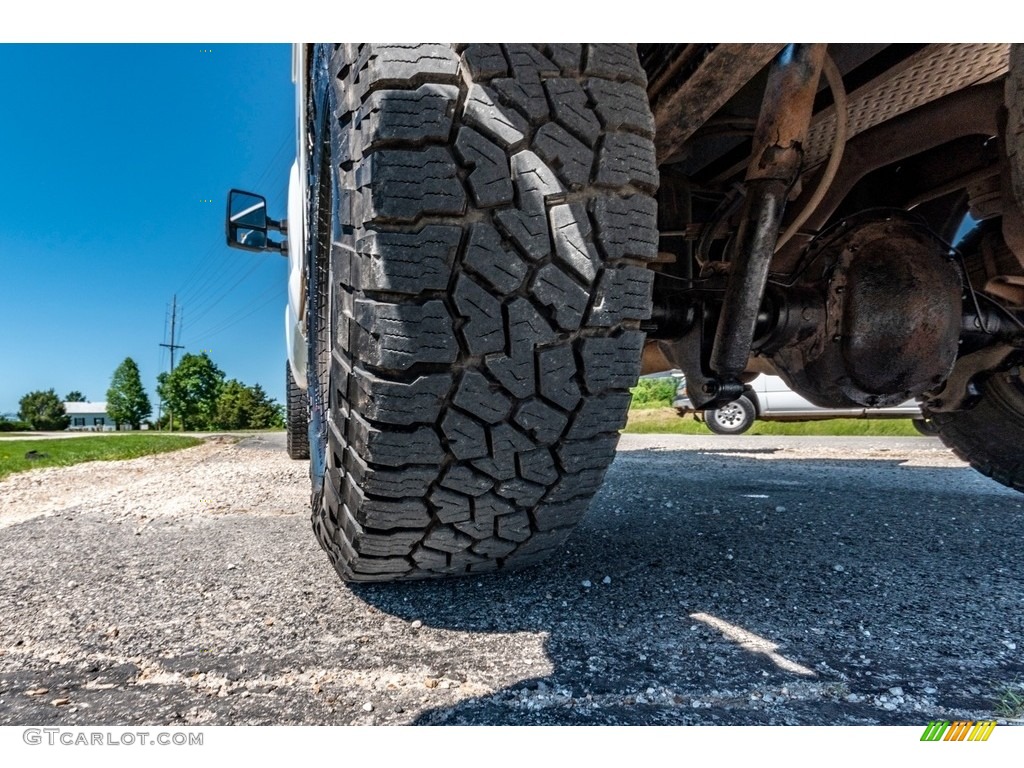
295, 312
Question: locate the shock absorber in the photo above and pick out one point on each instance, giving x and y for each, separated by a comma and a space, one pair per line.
773, 170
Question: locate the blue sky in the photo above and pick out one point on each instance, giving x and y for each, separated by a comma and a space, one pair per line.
107, 155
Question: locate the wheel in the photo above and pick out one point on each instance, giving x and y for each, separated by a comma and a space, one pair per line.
989, 435
734, 418
492, 210
926, 426
297, 425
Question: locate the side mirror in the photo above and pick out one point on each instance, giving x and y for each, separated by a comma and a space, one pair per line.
247, 222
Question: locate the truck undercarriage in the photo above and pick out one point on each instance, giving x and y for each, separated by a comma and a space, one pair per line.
857, 233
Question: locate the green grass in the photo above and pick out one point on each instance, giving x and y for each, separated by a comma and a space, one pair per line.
75, 450
1009, 700
666, 420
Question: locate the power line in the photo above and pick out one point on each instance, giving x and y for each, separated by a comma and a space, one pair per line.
172, 346
212, 267
205, 294
195, 275
276, 288
217, 330
215, 301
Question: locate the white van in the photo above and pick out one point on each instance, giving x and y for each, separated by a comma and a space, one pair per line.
769, 399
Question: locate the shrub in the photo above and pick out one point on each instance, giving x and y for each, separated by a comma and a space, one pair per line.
654, 393
8, 424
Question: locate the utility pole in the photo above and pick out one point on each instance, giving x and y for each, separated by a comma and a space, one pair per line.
172, 346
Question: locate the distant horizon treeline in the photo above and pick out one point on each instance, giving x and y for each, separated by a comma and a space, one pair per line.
195, 396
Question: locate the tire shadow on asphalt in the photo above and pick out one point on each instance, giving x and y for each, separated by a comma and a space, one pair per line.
724, 589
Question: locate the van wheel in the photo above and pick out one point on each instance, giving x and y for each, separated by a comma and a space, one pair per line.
734, 418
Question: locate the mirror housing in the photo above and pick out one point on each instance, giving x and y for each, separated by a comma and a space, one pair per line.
248, 223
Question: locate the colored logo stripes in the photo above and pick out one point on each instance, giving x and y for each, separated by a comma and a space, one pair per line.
958, 730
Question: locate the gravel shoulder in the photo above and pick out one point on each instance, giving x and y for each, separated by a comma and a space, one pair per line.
185, 484
741, 581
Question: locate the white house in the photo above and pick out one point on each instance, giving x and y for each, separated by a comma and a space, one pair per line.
89, 417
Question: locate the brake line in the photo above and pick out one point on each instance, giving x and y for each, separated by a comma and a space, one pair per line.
835, 84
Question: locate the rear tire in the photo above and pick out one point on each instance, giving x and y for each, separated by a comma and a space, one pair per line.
734, 418
493, 212
297, 426
990, 436
926, 427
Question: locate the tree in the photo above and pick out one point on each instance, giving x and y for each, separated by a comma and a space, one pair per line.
74, 396
127, 401
243, 407
43, 410
190, 391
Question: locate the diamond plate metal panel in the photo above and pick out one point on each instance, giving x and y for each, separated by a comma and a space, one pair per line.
931, 73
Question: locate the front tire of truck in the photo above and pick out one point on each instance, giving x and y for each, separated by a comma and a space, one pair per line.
492, 215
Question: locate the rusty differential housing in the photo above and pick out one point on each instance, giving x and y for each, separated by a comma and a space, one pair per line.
885, 300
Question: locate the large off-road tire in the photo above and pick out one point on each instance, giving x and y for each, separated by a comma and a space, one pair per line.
297, 424
493, 214
733, 418
990, 435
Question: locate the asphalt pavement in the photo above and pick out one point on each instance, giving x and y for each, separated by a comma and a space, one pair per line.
716, 580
